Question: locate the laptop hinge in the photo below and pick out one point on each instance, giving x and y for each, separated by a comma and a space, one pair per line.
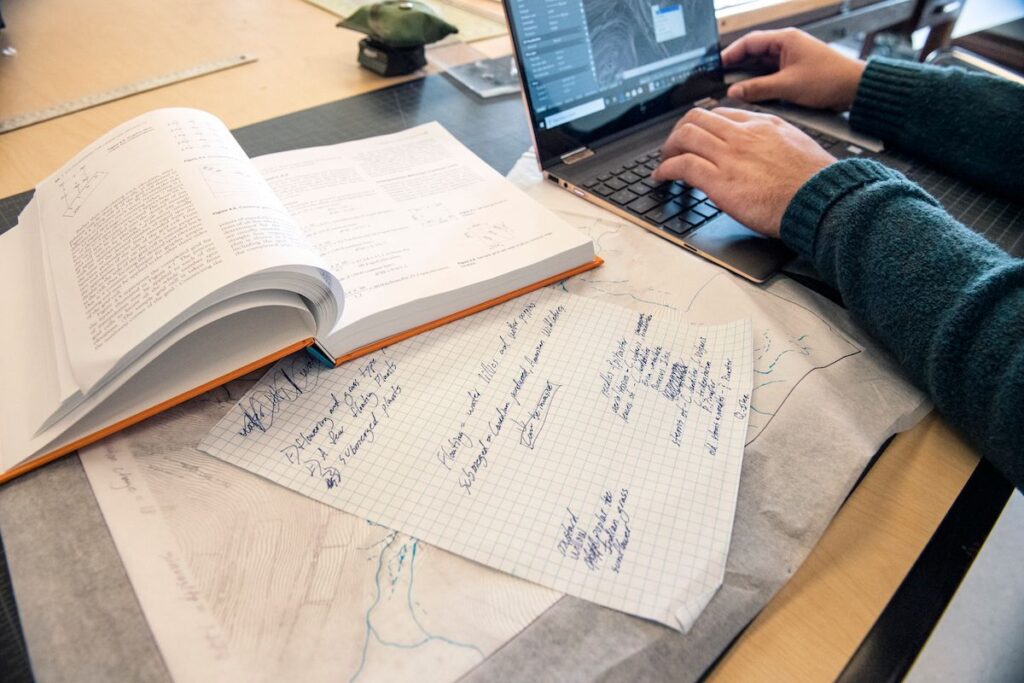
570, 158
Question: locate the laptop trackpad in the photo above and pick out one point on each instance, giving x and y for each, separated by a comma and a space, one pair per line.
739, 248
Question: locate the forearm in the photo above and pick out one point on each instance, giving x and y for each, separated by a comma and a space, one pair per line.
965, 123
946, 303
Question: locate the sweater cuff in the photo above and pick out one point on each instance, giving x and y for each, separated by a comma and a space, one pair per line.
885, 89
812, 202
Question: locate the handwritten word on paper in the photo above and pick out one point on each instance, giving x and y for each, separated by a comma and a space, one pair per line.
567, 441
604, 538
690, 381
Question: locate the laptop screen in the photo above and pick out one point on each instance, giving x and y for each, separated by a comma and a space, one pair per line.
593, 68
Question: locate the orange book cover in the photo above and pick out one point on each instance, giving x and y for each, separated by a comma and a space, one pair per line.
146, 413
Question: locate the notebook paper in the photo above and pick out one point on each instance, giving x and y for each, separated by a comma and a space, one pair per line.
585, 447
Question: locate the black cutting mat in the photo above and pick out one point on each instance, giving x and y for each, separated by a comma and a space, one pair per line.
999, 220
10, 207
14, 664
494, 129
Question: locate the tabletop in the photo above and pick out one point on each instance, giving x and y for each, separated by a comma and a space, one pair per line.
63, 50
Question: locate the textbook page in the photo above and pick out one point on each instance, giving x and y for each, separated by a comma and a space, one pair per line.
154, 218
576, 444
413, 217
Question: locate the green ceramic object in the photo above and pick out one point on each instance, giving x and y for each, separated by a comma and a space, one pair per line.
399, 23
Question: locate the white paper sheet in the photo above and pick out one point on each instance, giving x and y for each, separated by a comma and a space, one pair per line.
149, 220
417, 227
583, 446
241, 579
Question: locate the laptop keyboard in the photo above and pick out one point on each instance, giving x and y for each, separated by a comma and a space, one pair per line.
674, 206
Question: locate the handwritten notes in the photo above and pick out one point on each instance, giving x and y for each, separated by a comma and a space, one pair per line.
582, 446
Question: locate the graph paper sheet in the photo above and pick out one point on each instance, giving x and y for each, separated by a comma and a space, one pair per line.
585, 447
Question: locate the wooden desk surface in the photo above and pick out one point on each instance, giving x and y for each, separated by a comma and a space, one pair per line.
756, 12
67, 49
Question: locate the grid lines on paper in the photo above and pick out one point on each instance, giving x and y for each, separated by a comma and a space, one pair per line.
583, 461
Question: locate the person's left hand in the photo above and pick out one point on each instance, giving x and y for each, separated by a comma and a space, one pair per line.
750, 164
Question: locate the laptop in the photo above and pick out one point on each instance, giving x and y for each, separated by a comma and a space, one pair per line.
604, 83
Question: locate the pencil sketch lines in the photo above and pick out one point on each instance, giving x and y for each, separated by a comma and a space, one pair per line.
603, 287
700, 290
760, 431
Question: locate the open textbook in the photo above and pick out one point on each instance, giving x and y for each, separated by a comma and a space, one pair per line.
161, 261
579, 445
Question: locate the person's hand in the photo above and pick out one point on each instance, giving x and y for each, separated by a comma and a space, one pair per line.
751, 165
810, 73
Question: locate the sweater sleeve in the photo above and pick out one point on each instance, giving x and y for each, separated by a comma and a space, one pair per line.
948, 304
966, 123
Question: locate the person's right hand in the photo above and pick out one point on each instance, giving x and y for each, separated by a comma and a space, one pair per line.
810, 73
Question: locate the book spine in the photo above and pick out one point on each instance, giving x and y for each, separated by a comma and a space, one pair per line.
320, 355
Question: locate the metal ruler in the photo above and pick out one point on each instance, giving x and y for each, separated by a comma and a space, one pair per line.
120, 92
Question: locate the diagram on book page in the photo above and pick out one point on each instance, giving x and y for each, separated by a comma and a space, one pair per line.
76, 185
241, 576
431, 214
490, 235
226, 177
485, 231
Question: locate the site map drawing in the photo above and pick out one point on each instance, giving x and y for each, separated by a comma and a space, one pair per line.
628, 34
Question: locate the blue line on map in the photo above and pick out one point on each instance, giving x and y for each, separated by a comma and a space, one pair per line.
371, 630
803, 351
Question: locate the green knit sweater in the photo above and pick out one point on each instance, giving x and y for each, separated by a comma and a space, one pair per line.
946, 302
